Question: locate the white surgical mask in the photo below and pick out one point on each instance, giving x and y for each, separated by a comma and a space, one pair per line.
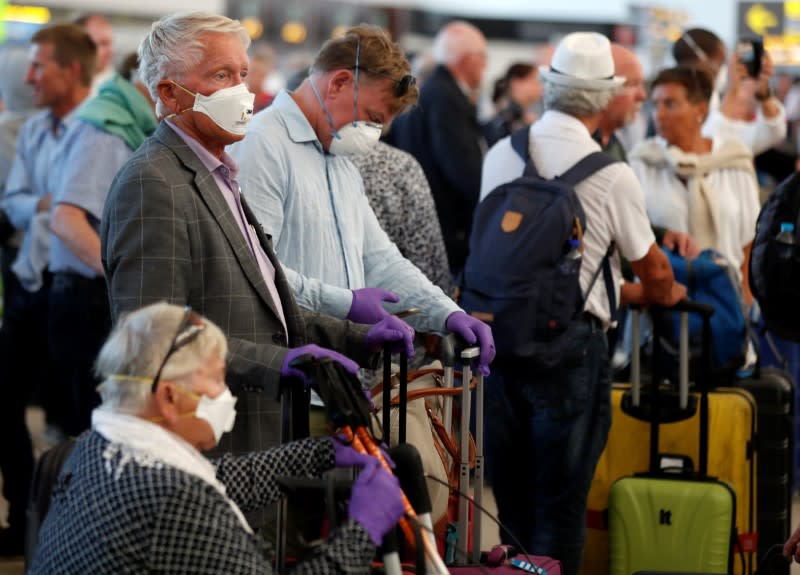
353, 139
229, 108
219, 412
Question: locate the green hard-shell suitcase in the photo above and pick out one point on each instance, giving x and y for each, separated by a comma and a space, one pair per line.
672, 521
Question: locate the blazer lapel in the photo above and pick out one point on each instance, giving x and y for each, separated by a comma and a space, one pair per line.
212, 197
281, 283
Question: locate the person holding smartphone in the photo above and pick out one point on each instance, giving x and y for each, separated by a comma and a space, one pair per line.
742, 104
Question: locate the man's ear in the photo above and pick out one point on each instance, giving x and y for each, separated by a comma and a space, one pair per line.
166, 402
338, 80
167, 95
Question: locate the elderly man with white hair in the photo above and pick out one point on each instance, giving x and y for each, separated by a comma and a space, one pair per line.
546, 425
175, 227
442, 132
137, 496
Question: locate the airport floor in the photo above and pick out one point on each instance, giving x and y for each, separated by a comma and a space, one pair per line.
490, 533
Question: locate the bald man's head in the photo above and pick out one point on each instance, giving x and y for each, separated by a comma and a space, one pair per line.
625, 105
461, 47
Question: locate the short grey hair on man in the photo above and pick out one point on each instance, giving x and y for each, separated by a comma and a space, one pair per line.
175, 45
577, 102
133, 352
455, 40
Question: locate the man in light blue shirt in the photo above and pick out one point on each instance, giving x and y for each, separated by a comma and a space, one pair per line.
309, 196
107, 130
62, 61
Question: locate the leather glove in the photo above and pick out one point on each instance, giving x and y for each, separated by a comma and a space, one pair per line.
367, 306
473, 330
288, 370
391, 329
376, 502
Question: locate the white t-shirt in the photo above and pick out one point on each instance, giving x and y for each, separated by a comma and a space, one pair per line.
611, 198
667, 200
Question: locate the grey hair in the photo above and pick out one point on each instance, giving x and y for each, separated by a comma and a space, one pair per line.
578, 102
133, 352
174, 46
453, 41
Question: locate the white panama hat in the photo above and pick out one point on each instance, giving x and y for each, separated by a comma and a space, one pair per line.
583, 60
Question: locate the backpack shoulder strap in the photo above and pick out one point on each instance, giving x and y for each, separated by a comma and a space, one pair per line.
520, 141
585, 167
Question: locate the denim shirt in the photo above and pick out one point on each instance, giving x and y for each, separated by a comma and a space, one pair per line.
323, 228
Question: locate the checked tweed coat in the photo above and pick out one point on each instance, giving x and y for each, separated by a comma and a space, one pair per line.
117, 511
167, 234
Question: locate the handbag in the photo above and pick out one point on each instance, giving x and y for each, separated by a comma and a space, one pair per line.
438, 446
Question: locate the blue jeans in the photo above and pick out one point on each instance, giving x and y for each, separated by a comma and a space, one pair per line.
545, 431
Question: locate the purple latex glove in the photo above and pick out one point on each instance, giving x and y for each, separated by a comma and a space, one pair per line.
346, 456
391, 329
376, 502
287, 370
367, 306
473, 331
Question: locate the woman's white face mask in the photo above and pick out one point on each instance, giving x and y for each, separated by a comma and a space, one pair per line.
229, 108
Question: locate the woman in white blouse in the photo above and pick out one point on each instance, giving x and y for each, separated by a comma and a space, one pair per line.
694, 184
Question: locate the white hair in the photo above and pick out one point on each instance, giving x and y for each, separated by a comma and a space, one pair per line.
133, 352
175, 45
454, 41
576, 102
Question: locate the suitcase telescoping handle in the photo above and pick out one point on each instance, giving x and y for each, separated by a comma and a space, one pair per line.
684, 308
402, 395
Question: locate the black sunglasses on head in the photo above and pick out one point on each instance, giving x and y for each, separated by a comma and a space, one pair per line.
401, 86
190, 327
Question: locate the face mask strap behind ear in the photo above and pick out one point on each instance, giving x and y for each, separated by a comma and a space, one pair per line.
173, 114
322, 105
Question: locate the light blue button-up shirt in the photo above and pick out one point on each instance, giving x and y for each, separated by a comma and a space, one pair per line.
31, 178
324, 231
87, 162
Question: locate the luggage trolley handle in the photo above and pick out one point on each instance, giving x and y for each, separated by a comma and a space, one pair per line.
387, 395
468, 356
684, 308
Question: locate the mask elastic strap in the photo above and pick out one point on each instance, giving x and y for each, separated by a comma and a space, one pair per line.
173, 114
324, 110
358, 71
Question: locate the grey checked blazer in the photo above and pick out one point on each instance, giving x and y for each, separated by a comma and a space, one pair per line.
167, 234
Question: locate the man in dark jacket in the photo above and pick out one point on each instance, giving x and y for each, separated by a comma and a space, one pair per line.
443, 133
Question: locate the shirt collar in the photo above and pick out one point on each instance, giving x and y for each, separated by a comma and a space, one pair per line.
559, 123
297, 125
209, 160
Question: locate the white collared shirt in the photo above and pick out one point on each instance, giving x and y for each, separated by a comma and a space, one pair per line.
611, 198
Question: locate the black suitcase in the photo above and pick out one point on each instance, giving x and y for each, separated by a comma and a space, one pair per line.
774, 391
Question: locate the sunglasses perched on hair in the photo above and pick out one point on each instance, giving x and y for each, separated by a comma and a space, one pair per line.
401, 86
190, 327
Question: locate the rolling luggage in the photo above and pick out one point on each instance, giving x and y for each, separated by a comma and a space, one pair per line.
672, 519
774, 393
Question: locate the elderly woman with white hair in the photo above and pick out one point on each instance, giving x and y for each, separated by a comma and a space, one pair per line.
137, 496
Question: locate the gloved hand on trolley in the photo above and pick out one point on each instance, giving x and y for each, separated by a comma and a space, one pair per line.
473, 331
394, 330
290, 367
346, 456
376, 501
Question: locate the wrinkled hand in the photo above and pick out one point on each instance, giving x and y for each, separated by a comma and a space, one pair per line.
473, 331
367, 306
315, 351
391, 329
376, 501
683, 242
